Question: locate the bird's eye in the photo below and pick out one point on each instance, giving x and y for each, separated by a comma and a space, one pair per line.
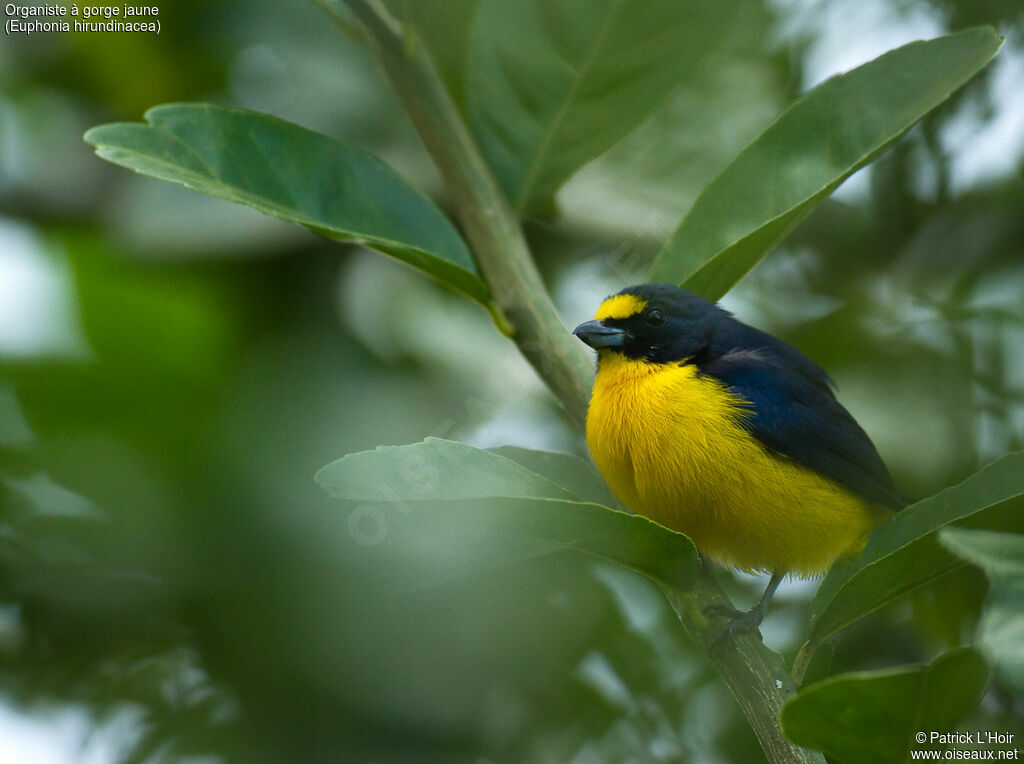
655, 317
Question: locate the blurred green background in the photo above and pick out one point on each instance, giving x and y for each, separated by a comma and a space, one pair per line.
173, 370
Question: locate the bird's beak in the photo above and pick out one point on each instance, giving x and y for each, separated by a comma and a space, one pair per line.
598, 336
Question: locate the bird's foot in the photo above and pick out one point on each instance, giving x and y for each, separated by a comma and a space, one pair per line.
739, 621
743, 620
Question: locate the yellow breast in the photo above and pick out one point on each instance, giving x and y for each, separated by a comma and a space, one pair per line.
670, 443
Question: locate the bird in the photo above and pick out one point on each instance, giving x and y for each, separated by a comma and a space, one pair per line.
725, 433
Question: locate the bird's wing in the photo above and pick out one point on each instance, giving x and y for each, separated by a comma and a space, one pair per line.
796, 414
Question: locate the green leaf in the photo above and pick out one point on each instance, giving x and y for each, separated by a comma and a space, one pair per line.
876, 715
567, 470
550, 86
905, 554
467, 492
813, 146
550, 525
285, 170
431, 470
1000, 635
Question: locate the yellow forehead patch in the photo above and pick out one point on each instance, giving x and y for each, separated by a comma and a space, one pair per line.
620, 306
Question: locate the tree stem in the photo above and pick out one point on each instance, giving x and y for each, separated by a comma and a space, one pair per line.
487, 219
756, 675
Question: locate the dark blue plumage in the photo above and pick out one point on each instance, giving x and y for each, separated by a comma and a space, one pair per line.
794, 411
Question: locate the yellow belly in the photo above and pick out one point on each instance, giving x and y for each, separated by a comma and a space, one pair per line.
671, 445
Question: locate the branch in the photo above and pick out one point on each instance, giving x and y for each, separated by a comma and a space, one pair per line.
756, 675
487, 220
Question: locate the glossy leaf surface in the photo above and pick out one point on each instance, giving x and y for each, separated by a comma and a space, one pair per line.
877, 715
802, 157
293, 173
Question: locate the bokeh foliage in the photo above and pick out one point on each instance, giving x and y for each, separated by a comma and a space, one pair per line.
165, 549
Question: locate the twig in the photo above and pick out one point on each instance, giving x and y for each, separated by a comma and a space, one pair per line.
757, 675
488, 221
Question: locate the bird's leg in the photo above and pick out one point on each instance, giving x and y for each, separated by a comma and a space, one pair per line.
746, 620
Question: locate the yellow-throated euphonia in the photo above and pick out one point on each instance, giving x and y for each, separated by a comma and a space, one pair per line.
729, 435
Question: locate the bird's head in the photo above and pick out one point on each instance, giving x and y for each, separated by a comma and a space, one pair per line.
660, 323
